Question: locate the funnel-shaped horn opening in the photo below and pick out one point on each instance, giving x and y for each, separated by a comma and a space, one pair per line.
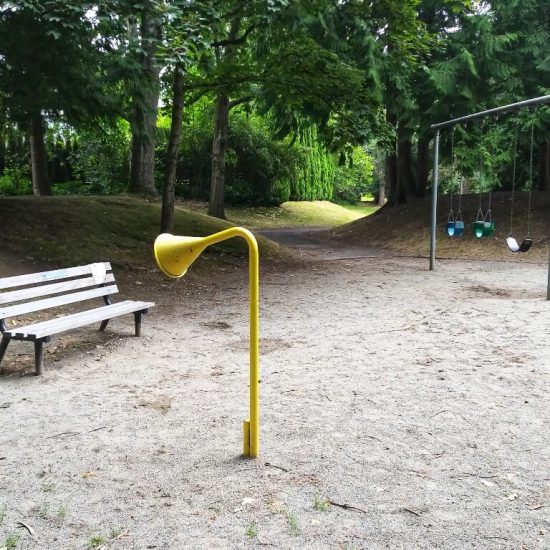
175, 254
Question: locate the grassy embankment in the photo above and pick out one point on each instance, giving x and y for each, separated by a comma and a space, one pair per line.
78, 230
406, 228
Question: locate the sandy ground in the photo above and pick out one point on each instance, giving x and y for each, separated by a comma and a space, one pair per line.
418, 399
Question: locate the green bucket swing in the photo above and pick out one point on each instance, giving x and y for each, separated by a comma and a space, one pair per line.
483, 226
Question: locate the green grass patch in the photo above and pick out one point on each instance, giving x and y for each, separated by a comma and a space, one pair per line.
292, 214
293, 524
10, 542
251, 531
321, 503
361, 208
96, 541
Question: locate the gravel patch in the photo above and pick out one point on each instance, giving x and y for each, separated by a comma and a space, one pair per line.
400, 408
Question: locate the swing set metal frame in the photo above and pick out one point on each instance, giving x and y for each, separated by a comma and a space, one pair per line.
537, 101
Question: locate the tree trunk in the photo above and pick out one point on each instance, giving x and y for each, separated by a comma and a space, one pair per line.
405, 176
219, 148
41, 184
423, 166
216, 203
544, 166
3, 148
391, 178
167, 216
144, 123
381, 193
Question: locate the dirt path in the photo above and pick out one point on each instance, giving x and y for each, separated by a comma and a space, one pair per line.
314, 243
419, 399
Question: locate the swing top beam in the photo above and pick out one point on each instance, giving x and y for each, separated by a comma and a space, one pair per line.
543, 100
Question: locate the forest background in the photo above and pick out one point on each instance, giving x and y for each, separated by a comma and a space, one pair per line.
259, 102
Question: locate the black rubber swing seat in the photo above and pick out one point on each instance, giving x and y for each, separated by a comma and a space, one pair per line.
515, 247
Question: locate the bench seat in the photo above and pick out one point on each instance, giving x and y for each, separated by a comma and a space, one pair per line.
76, 320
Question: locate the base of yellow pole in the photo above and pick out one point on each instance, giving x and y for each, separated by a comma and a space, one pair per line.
246, 437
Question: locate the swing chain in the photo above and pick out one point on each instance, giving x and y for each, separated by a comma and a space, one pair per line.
451, 217
514, 167
459, 211
530, 178
488, 214
487, 217
480, 216
455, 177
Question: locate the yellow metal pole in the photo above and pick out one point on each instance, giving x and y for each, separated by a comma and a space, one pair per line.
254, 284
251, 426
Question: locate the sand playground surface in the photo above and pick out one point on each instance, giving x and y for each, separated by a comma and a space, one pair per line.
400, 408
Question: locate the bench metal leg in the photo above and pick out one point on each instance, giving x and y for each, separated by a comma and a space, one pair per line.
3, 346
39, 357
104, 324
137, 318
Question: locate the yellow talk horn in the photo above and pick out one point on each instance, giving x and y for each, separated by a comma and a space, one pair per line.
175, 254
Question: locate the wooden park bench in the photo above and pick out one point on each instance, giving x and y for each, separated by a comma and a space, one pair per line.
27, 293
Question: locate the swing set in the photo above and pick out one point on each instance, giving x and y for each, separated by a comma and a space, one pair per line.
483, 225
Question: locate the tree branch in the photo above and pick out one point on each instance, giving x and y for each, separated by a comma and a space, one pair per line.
235, 41
237, 9
193, 99
240, 101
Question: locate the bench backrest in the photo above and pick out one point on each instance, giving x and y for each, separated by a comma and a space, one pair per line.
25, 293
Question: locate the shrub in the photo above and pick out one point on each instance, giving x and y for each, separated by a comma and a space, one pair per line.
14, 182
100, 159
315, 177
354, 177
258, 167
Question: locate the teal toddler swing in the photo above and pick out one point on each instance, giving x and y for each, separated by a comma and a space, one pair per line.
511, 241
455, 224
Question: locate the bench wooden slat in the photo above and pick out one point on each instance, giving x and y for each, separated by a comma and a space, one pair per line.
76, 320
55, 288
61, 319
34, 278
41, 324
48, 303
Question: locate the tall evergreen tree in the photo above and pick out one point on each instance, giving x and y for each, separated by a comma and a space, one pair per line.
48, 68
